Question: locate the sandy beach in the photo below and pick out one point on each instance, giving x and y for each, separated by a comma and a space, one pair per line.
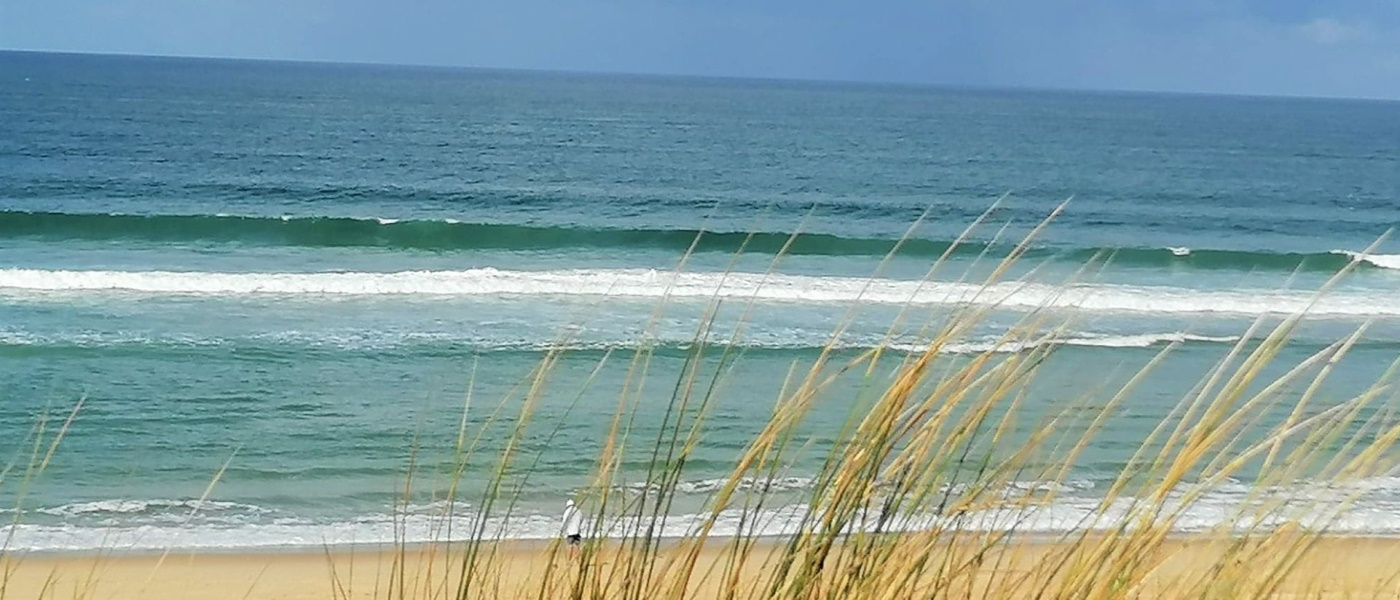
1334, 568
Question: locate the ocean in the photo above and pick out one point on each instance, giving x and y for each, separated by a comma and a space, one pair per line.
292, 276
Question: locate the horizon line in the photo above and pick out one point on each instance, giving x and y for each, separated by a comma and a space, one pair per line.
927, 85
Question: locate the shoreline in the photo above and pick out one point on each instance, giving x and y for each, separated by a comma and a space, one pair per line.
1027, 538
1338, 566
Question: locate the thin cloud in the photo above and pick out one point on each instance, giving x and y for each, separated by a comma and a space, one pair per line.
1330, 32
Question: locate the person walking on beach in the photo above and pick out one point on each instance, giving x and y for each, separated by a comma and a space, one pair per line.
573, 527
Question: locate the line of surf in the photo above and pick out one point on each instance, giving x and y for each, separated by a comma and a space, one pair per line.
651, 284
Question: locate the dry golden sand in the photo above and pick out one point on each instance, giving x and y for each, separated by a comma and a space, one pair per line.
1334, 568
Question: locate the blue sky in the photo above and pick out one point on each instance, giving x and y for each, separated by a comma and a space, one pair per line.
1345, 48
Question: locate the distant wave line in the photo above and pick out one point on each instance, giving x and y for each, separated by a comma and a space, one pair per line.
454, 235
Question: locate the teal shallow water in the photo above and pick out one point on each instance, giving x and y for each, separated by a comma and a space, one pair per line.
306, 264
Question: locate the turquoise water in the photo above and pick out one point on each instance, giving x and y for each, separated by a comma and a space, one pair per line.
304, 267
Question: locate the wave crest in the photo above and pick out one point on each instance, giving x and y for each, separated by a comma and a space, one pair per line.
453, 234
1384, 261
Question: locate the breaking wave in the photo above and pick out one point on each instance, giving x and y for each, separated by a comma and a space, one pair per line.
651, 284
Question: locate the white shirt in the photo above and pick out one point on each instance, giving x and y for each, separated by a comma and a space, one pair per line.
572, 521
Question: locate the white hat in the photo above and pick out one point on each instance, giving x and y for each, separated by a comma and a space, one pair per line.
569, 503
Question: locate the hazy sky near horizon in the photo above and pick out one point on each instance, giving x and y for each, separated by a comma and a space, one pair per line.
1345, 48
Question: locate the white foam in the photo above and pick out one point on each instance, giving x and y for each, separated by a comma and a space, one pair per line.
1180, 251
96, 339
1147, 340
382, 340
133, 507
383, 221
650, 284
1384, 261
709, 486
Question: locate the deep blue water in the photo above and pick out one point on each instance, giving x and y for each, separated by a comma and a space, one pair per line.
304, 267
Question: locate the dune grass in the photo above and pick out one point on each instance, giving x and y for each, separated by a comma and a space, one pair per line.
917, 497
921, 493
